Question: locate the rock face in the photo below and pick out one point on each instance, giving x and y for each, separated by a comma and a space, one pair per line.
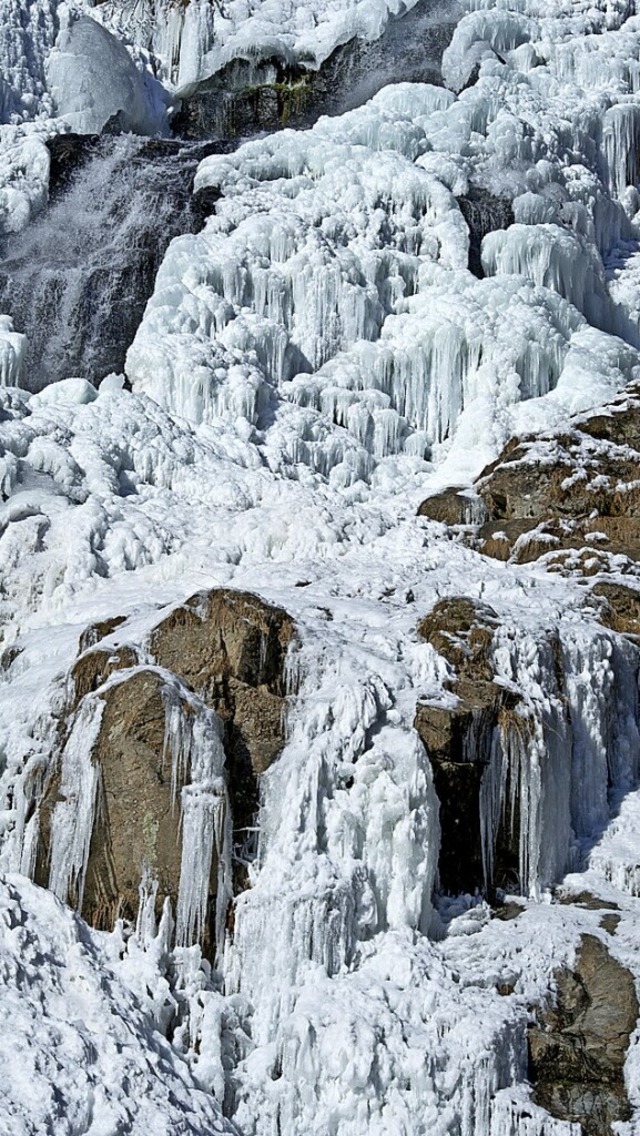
248, 96
137, 822
578, 1047
567, 491
221, 651
568, 500
451, 507
484, 213
230, 648
77, 280
460, 741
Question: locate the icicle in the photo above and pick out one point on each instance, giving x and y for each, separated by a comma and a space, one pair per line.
73, 816
193, 739
146, 918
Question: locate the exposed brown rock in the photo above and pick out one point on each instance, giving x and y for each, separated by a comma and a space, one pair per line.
584, 899
462, 631
136, 823
621, 610
92, 634
578, 1046
610, 922
568, 500
458, 740
451, 507
95, 666
230, 648
508, 911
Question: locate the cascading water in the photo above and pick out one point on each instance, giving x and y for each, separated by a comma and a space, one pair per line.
77, 280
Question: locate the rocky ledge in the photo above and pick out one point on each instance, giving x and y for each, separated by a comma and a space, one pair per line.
222, 652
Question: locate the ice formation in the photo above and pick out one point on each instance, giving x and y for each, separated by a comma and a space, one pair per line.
310, 367
93, 80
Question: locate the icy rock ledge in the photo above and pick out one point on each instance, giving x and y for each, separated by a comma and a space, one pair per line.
143, 788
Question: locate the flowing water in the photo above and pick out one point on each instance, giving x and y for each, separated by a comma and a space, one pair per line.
77, 280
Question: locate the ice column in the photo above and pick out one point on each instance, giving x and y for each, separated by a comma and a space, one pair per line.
193, 740
73, 816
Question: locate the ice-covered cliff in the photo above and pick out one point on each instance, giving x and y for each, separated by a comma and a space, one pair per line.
319, 683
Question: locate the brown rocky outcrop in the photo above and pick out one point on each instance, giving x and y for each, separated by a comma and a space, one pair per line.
230, 648
621, 610
568, 499
459, 742
136, 823
92, 668
578, 1046
227, 647
567, 491
451, 507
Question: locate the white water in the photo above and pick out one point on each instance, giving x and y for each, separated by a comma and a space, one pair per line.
76, 280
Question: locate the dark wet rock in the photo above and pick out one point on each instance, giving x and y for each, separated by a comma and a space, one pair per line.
578, 1046
68, 153
250, 95
484, 213
77, 280
461, 740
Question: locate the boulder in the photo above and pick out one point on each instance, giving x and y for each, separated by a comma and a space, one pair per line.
221, 651
578, 1046
451, 507
621, 609
136, 821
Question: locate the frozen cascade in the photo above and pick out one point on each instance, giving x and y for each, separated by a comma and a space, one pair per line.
333, 276
73, 816
621, 146
76, 281
193, 739
323, 919
12, 354
588, 709
195, 42
556, 259
513, 1113
322, 336
333, 860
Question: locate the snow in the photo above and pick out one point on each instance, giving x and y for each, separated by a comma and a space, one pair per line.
92, 80
79, 1052
194, 42
310, 367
